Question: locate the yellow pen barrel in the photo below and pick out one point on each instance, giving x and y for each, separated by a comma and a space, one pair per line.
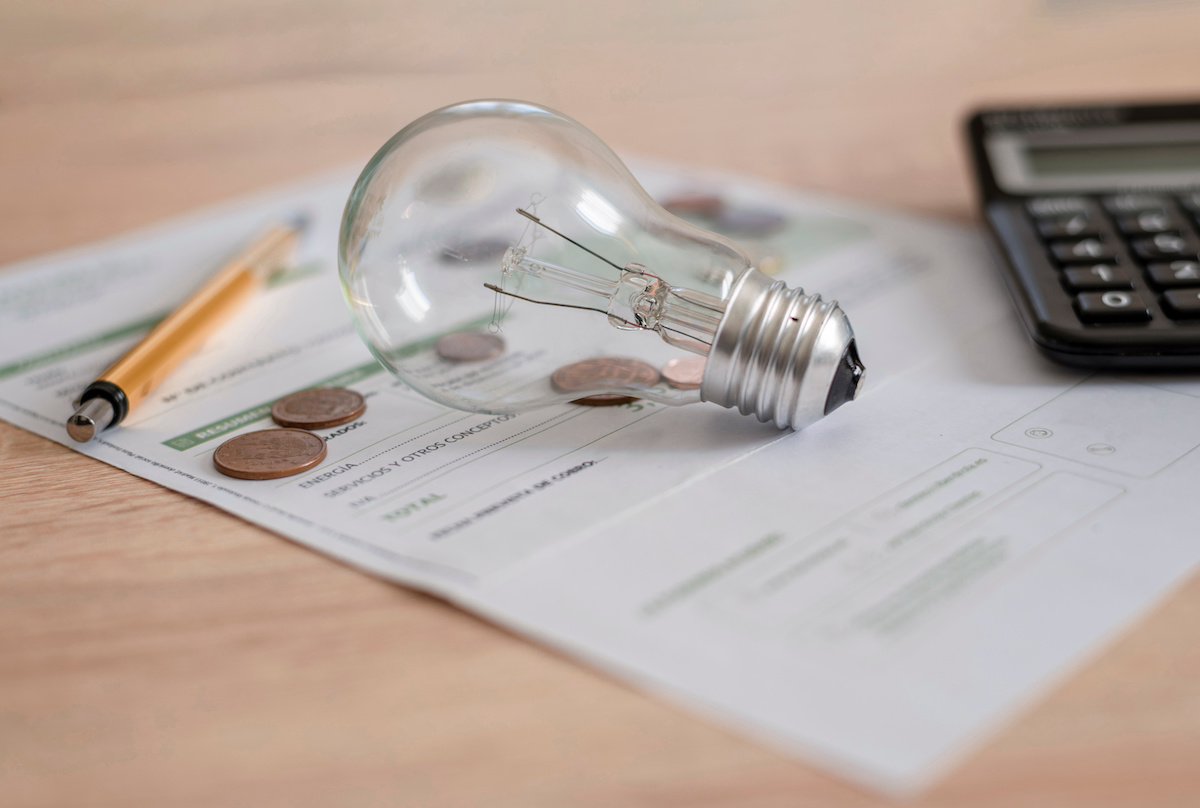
141, 370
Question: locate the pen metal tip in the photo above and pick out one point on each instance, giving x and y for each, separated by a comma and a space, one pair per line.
92, 416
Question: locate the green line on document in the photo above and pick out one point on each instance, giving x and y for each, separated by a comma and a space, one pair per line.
71, 349
297, 273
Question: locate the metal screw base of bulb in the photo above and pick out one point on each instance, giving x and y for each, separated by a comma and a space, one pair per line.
782, 355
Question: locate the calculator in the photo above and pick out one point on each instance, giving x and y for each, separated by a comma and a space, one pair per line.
1093, 215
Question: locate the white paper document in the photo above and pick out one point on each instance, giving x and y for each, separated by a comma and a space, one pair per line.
875, 592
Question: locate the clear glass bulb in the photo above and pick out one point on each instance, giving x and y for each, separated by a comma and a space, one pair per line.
491, 246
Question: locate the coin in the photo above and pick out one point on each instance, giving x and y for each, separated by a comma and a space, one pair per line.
604, 400
694, 204
269, 454
469, 346
318, 408
749, 222
685, 373
607, 371
769, 264
764, 257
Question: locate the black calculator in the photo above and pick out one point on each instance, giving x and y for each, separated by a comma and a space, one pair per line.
1094, 217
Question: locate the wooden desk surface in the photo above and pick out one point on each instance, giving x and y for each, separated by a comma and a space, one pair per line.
155, 651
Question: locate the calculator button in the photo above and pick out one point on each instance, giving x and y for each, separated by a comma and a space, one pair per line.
1067, 227
1111, 307
1191, 202
1148, 221
1176, 273
1086, 250
1182, 303
1045, 207
1134, 203
1165, 245
1097, 276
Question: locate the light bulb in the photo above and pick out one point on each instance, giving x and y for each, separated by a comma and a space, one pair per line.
491, 249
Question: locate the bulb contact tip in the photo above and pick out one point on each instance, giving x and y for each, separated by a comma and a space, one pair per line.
847, 379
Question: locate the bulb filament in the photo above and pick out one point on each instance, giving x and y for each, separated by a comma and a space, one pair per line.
637, 301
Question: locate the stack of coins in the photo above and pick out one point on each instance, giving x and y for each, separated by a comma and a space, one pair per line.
269, 454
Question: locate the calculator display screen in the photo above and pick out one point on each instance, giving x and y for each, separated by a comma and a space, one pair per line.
1069, 161
1097, 159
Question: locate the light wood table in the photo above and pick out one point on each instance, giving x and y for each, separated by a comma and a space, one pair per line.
155, 651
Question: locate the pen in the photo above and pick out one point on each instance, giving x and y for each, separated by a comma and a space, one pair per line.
126, 383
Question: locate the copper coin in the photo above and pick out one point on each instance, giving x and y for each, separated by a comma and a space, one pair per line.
608, 371
604, 400
269, 454
694, 204
749, 222
318, 408
769, 264
685, 373
469, 346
